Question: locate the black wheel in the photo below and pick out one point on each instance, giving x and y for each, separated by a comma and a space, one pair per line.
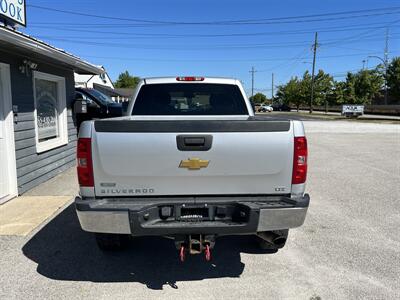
111, 242
279, 240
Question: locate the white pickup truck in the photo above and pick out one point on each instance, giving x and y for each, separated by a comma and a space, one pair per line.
184, 163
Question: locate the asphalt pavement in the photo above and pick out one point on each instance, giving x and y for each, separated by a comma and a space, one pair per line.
348, 248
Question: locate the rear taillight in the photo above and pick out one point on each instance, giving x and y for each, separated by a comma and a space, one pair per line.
299, 160
190, 78
84, 162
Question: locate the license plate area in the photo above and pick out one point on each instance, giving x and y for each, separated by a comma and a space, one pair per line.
193, 214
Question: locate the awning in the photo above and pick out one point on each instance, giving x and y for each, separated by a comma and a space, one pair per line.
18, 41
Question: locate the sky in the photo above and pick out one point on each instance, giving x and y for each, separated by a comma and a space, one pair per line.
220, 38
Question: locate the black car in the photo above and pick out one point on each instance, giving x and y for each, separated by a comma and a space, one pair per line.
281, 107
98, 104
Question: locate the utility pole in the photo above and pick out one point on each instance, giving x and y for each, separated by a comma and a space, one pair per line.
272, 90
315, 46
386, 53
252, 80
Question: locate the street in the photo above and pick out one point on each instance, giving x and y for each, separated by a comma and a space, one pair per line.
348, 248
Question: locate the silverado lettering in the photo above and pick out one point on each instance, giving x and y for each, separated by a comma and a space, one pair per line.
127, 191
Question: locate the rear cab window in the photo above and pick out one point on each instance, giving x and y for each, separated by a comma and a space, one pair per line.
189, 99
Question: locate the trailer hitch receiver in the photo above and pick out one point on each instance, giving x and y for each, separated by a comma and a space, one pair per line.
196, 244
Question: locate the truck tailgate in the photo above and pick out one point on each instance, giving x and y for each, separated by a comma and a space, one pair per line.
141, 158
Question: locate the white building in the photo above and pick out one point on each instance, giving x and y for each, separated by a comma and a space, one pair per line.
104, 84
88, 81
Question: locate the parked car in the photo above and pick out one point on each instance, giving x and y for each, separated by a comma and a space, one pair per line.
265, 108
189, 172
98, 105
281, 107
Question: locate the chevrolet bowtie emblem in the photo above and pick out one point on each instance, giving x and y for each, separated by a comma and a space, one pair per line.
194, 163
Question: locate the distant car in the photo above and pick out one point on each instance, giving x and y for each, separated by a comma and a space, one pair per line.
265, 108
281, 107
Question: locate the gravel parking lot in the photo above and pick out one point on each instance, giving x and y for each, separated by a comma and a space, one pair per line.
348, 248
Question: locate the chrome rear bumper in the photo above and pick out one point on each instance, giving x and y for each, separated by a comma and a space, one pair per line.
220, 215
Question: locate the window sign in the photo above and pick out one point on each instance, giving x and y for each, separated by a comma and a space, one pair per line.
46, 107
13, 11
50, 111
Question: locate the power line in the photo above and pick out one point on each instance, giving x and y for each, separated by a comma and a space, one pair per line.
67, 25
287, 62
360, 36
344, 73
118, 25
227, 60
123, 35
278, 20
202, 46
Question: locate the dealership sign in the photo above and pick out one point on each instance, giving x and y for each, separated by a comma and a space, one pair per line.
352, 110
13, 11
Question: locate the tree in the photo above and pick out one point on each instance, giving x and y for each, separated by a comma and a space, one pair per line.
291, 93
349, 90
359, 88
125, 80
305, 89
297, 91
367, 85
337, 95
393, 77
259, 98
323, 85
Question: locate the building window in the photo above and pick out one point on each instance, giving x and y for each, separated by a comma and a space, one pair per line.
50, 111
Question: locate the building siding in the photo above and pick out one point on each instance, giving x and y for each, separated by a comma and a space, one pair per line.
34, 168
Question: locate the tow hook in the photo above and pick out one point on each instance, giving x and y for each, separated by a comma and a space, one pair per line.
182, 253
207, 252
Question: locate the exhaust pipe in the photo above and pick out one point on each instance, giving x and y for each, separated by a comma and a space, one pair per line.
273, 238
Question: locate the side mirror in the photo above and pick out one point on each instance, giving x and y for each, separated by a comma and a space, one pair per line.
80, 106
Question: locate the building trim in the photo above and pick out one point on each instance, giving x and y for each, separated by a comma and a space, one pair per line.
5, 77
23, 41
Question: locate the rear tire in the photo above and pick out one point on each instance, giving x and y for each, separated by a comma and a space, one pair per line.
111, 242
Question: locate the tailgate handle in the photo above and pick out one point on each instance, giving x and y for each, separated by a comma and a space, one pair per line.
194, 142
